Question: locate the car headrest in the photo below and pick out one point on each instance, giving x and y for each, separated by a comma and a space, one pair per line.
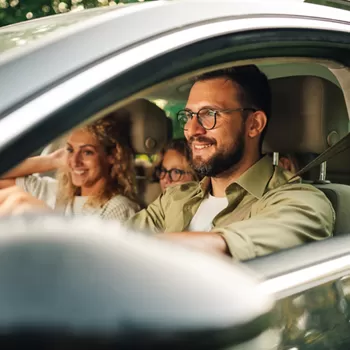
83, 281
150, 127
309, 114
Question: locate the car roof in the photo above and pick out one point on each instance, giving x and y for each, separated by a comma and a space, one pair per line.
19, 35
55, 57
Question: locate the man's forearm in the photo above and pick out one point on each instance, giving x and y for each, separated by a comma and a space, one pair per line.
211, 242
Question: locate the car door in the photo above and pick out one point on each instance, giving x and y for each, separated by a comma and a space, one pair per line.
311, 284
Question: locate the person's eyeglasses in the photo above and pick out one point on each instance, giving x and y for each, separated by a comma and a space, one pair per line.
206, 117
174, 174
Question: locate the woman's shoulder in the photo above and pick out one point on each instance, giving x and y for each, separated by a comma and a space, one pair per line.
120, 207
121, 200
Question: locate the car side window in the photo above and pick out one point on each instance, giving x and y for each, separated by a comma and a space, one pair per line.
316, 319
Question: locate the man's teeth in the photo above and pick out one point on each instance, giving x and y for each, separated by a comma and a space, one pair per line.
201, 146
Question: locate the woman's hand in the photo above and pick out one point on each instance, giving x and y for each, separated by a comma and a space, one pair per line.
59, 158
15, 201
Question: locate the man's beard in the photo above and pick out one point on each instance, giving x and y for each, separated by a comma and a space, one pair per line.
221, 161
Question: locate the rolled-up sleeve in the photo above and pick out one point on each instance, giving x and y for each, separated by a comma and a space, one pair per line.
151, 219
285, 218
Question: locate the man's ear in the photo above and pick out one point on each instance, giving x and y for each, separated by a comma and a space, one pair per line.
256, 123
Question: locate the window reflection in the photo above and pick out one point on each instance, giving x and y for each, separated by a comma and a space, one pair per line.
316, 319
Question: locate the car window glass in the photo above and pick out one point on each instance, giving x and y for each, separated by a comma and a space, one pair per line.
315, 319
171, 107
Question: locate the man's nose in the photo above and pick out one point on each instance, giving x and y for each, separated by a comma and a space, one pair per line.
193, 127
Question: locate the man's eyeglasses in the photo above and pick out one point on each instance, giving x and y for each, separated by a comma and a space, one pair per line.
174, 174
206, 116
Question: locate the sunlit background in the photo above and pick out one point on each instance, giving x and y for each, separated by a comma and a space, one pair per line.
13, 11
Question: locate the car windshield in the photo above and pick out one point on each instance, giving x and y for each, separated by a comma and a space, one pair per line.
19, 35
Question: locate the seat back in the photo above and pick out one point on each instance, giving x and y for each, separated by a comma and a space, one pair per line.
309, 115
148, 188
149, 130
159, 129
339, 196
338, 192
338, 168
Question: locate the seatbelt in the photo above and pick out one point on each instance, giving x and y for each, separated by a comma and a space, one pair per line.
330, 152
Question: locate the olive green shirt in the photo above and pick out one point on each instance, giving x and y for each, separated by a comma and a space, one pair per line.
266, 212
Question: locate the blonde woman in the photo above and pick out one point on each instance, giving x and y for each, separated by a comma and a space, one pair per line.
95, 173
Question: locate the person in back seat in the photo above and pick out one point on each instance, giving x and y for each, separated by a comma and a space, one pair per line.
294, 162
244, 207
96, 174
289, 162
175, 165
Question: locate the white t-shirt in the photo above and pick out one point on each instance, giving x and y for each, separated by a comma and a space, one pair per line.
208, 209
45, 189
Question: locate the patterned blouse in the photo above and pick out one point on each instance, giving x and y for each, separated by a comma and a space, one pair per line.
45, 188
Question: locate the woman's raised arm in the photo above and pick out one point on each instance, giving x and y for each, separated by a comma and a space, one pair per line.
32, 165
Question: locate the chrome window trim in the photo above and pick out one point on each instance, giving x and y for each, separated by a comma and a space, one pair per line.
17, 122
306, 278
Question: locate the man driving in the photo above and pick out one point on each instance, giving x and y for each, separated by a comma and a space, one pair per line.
244, 207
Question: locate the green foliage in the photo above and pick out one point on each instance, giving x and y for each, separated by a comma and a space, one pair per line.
171, 110
13, 11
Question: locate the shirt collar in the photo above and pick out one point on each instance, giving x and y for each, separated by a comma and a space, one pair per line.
254, 180
205, 184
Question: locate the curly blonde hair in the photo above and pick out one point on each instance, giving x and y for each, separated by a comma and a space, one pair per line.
113, 133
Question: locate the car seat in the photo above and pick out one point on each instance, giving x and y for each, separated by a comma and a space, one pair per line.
309, 115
